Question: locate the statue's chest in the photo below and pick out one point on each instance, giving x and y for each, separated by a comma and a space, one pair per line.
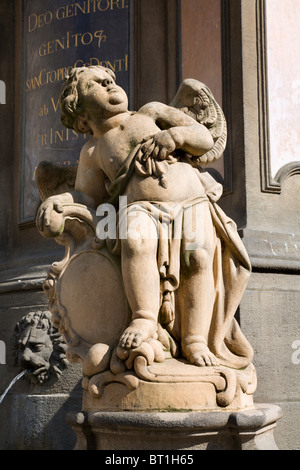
115, 146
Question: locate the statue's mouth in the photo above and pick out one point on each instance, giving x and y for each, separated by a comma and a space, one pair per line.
113, 90
40, 370
39, 375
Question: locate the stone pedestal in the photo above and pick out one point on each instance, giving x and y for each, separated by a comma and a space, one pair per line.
248, 429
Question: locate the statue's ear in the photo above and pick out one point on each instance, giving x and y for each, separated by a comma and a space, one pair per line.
82, 124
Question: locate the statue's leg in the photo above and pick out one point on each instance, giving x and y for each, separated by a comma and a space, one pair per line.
196, 290
141, 278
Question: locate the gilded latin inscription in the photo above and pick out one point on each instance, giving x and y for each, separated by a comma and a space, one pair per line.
59, 36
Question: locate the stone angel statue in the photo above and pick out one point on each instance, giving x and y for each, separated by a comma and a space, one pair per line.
154, 270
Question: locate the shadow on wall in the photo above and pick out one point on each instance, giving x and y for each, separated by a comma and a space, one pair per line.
38, 422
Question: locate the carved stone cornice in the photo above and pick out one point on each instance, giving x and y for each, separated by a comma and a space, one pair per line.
272, 250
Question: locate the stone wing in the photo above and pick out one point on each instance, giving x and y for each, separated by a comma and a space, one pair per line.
55, 179
196, 100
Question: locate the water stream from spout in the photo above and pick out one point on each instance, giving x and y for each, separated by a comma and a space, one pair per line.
13, 382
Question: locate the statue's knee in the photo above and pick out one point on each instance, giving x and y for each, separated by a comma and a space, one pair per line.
139, 246
199, 260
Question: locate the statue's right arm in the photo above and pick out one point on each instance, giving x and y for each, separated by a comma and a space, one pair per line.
89, 190
90, 180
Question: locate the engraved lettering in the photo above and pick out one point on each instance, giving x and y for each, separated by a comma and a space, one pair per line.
47, 77
43, 111
55, 105
38, 21
51, 47
56, 136
100, 36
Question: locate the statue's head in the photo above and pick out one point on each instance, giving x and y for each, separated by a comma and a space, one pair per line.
39, 347
90, 94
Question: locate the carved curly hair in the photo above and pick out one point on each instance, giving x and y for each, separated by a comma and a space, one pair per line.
70, 105
42, 320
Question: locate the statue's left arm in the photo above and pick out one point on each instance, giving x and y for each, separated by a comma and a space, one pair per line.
179, 131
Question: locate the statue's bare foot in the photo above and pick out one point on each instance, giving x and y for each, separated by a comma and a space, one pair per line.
138, 331
199, 355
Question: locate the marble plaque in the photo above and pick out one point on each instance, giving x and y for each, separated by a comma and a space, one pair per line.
57, 36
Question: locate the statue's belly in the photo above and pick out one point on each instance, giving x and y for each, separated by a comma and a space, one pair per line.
181, 182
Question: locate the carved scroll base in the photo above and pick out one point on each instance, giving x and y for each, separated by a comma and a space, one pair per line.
172, 385
250, 429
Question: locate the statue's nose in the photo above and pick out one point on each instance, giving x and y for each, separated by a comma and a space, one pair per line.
29, 357
106, 82
26, 355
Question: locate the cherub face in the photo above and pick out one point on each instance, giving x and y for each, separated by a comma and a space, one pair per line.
100, 96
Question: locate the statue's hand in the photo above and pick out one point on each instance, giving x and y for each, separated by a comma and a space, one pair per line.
50, 220
159, 146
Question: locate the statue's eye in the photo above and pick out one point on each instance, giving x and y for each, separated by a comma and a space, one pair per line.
66, 92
